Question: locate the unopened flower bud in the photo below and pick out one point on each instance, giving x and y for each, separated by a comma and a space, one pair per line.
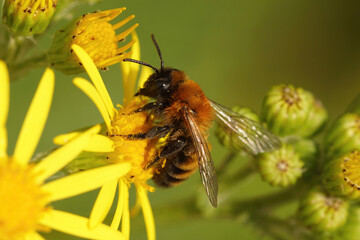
316, 119
351, 230
28, 17
281, 167
321, 212
223, 137
343, 136
342, 176
96, 36
292, 111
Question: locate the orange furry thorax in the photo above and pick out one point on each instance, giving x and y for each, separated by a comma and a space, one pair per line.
189, 94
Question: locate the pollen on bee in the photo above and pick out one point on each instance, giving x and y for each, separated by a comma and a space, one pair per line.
163, 163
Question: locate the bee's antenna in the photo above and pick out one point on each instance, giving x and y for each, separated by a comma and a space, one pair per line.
158, 50
141, 63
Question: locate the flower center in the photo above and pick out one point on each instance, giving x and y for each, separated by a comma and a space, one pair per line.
282, 166
22, 202
332, 202
138, 152
351, 169
34, 6
96, 37
290, 96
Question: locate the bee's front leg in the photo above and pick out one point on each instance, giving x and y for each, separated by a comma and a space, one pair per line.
152, 133
149, 106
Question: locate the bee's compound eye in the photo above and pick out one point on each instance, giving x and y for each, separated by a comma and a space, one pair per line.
163, 85
166, 85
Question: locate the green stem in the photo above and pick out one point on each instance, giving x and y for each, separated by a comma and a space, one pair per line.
20, 69
267, 201
277, 228
11, 50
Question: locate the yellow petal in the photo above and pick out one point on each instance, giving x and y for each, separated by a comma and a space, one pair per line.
33, 236
77, 225
62, 156
65, 138
103, 203
84, 181
131, 71
135, 208
99, 143
144, 75
95, 78
125, 223
95, 97
120, 205
35, 119
4, 107
147, 212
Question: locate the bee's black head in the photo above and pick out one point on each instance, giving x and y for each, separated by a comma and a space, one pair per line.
158, 85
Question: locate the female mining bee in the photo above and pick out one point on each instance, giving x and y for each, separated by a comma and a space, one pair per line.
184, 115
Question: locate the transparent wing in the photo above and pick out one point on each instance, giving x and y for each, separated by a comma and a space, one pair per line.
245, 133
206, 165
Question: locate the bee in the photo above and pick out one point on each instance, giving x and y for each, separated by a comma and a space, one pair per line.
184, 115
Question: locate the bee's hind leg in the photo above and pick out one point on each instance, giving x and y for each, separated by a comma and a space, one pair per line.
171, 148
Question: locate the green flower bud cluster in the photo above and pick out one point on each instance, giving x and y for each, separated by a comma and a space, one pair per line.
295, 115
332, 209
322, 173
341, 175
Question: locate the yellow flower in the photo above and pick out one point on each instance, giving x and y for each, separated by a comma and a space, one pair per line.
341, 176
96, 35
25, 197
122, 150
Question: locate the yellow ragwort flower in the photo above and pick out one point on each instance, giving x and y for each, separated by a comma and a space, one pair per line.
96, 35
25, 197
121, 150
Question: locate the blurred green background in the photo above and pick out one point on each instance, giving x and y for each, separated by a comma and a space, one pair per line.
236, 50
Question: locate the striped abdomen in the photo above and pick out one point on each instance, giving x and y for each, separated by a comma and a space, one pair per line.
177, 169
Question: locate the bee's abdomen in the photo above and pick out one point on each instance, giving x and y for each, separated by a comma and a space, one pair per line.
176, 170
